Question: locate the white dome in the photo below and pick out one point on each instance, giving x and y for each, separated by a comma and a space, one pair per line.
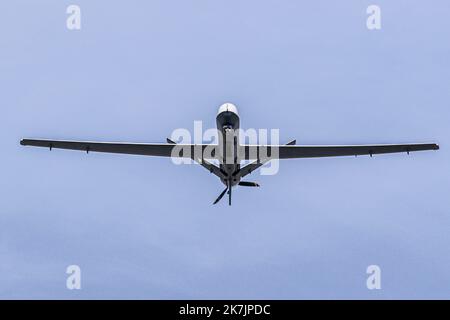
228, 107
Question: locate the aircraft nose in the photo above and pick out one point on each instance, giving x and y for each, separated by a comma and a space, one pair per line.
227, 107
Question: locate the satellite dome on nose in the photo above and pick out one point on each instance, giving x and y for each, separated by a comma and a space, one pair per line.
227, 116
228, 107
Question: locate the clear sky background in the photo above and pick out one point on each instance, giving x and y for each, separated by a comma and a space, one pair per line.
141, 227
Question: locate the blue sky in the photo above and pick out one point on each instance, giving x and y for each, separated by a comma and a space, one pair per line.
144, 228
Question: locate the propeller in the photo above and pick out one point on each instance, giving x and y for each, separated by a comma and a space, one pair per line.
221, 195
229, 193
229, 188
248, 184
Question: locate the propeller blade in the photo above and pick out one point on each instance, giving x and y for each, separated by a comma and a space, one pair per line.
229, 194
248, 184
221, 195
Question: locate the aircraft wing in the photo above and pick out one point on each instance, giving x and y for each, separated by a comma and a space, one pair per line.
294, 151
146, 149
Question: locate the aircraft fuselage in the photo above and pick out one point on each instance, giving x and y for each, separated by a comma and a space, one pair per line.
227, 121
